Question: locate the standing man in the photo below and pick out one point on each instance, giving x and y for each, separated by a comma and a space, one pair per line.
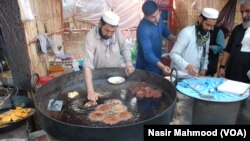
235, 63
236, 56
190, 51
104, 46
190, 54
149, 37
216, 46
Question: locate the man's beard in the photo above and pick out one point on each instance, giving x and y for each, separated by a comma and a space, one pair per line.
246, 24
200, 29
103, 36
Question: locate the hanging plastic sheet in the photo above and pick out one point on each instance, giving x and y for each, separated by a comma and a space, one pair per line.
25, 10
226, 17
91, 11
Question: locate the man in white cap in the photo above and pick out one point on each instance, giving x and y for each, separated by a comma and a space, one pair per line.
104, 46
190, 54
235, 62
190, 51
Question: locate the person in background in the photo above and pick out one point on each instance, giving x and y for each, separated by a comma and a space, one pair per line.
235, 59
190, 51
150, 31
235, 63
190, 54
217, 44
104, 46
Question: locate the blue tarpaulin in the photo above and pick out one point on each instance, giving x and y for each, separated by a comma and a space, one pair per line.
208, 86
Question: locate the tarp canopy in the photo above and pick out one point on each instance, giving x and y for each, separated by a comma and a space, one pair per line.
91, 10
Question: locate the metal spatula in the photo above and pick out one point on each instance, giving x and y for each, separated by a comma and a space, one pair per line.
5, 99
6, 102
203, 95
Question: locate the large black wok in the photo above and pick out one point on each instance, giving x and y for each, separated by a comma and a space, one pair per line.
71, 123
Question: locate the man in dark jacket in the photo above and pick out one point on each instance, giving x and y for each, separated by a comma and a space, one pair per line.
235, 61
217, 44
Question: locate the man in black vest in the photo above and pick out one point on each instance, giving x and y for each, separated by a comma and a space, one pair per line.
217, 44
235, 62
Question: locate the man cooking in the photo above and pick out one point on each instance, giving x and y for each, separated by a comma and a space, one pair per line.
104, 46
150, 32
190, 54
190, 51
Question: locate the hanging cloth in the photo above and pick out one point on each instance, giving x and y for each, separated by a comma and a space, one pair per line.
44, 44
225, 20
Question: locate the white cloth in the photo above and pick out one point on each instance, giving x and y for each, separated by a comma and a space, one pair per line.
185, 50
246, 41
248, 74
25, 10
234, 87
91, 11
45, 44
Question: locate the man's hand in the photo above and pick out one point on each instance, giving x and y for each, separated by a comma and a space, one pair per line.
129, 70
166, 70
93, 96
202, 72
192, 70
221, 72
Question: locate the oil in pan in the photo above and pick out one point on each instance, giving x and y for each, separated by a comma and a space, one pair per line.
141, 109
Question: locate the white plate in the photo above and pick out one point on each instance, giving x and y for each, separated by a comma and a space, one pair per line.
116, 80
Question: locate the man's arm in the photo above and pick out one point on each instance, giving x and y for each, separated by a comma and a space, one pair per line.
88, 79
165, 69
172, 38
92, 95
124, 49
178, 48
220, 43
167, 34
126, 53
88, 56
223, 63
143, 38
226, 53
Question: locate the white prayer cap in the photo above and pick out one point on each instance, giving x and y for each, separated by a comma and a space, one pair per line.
210, 13
111, 18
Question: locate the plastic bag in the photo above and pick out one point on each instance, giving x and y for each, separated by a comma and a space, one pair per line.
25, 9
57, 44
69, 7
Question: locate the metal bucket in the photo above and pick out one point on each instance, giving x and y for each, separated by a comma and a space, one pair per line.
208, 112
